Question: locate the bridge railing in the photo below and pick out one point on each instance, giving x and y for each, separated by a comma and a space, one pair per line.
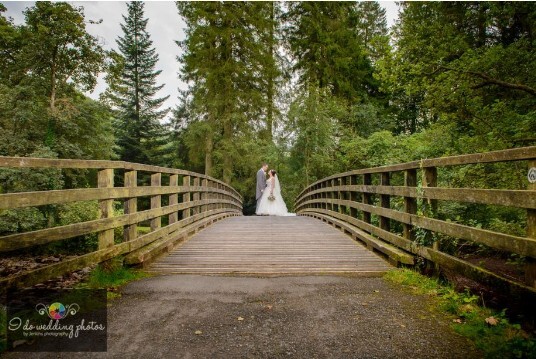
192, 201
365, 204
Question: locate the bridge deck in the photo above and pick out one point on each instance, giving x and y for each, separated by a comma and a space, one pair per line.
271, 245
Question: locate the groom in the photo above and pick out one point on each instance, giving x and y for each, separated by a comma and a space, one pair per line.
261, 183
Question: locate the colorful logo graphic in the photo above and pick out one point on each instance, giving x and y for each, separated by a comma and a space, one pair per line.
57, 310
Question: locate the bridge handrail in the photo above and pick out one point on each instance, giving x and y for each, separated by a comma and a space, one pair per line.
515, 154
35, 162
347, 200
204, 200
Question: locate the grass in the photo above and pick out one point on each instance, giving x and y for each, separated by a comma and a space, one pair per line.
488, 329
112, 277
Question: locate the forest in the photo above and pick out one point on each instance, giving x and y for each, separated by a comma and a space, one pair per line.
312, 88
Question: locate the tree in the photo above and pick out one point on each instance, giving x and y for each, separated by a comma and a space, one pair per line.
58, 48
45, 64
371, 25
472, 65
324, 41
133, 90
228, 62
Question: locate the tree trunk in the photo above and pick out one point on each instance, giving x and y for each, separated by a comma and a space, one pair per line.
53, 81
270, 94
227, 159
209, 146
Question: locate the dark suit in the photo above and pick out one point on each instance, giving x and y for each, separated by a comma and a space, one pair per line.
261, 185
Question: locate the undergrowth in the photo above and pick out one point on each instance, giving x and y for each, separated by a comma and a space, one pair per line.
112, 276
488, 329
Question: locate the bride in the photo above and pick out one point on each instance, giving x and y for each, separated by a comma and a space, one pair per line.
271, 202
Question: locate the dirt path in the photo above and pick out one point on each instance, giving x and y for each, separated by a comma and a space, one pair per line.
283, 317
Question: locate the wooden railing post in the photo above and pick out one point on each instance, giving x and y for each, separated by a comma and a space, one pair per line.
430, 180
106, 180
353, 196
209, 195
385, 201
410, 203
333, 196
220, 197
186, 197
530, 270
173, 198
204, 194
367, 198
156, 201
130, 231
341, 208
322, 196
196, 195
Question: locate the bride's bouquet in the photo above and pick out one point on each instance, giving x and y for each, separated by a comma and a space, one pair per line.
271, 197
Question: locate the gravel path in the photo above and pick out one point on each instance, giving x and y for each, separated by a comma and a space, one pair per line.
190, 316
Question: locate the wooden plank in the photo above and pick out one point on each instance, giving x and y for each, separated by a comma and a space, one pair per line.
204, 183
385, 202
40, 198
166, 243
367, 198
410, 204
195, 196
430, 206
530, 268
32, 162
106, 180
505, 286
515, 154
130, 231
42, 274
265, 244
43, 236
186, 197
156, 201
173, 198
469, 270
501, 197
520, 245
393, 252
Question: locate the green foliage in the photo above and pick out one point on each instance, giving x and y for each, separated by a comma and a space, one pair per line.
229, 101
112, 275
329, 50
48, 61
132, 90
498, 339
56, 46
468, 65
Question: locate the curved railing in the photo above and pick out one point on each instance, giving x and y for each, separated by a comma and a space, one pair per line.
361, 203
193, 202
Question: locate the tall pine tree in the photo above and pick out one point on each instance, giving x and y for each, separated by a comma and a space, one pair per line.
134, 91
228, 62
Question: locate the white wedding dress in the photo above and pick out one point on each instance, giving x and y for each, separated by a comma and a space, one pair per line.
277, 207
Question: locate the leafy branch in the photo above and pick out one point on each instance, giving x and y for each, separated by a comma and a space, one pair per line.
488, 80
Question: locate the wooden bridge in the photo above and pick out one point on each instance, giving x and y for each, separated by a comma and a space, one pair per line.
271, 245
384, 215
